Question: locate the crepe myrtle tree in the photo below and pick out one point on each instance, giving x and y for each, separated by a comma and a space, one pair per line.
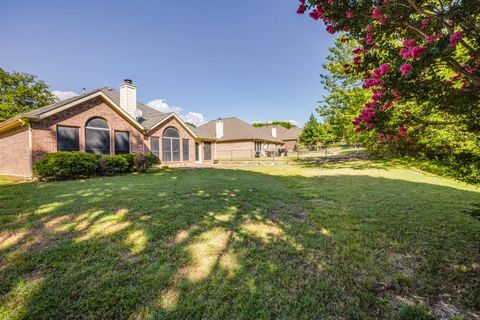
426, 51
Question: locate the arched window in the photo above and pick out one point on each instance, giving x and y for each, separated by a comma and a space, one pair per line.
97, 136
171, 145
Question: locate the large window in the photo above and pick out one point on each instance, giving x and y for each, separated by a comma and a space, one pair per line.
68, 138
155, 146
97, 136
122, 142
186, 149
207, 151
171, 145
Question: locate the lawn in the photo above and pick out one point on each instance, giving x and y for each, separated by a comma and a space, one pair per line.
359, 240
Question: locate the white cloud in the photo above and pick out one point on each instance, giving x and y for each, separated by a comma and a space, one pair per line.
62, 95
162, 106
193, 117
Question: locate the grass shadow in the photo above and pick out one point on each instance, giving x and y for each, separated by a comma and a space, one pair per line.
221, 243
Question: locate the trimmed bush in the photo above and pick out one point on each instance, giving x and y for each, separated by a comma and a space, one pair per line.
112, 165
130, 158
77, 165
143, 162
66, 165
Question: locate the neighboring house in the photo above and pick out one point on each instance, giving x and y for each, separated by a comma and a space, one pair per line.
288, 136
102, 122
238, 139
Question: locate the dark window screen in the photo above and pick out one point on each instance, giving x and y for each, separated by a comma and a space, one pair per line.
68, 139
186, 149
207, 151
122, 142
97, 136
155, 146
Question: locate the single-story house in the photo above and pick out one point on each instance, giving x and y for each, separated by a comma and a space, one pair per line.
238, 139
288, 136
103, 121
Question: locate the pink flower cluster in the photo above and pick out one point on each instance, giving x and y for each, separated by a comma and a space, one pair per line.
302, 7
378, 73
410, 51
406, 69
455, 38
366, 116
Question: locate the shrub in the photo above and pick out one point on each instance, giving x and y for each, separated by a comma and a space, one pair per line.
112, 165
130, 158
143, 162
66, 165
74, 165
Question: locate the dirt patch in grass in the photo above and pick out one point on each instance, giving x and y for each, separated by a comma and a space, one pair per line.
279, 208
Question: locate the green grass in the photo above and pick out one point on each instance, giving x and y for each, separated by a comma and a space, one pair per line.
359, 240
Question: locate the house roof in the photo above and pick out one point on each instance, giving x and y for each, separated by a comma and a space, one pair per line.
236, 129
283, 133
149, 119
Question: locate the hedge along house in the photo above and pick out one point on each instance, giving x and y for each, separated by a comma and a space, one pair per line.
103, 121
238, 139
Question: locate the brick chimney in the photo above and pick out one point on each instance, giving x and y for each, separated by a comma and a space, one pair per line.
128, 97
274, 132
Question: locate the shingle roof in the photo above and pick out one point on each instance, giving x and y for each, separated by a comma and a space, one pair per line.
236, 129
150, 117
282, 132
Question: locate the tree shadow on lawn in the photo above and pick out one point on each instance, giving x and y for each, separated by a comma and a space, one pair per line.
219, 243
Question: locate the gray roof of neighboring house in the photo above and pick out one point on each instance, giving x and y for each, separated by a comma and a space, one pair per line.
150, 117
236, 129
282, 132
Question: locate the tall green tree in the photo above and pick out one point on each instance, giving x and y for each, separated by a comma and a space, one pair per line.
314, 133
345, 96
21, 92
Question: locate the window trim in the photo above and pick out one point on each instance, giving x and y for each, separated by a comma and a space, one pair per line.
115, 141
67, 126
102, 129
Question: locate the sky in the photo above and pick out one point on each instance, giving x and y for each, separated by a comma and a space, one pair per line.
253, 59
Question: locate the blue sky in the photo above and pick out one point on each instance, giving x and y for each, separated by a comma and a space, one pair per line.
254, 59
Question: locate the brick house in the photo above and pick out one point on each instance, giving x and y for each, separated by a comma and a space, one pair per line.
103, 122
238, 139
288, 136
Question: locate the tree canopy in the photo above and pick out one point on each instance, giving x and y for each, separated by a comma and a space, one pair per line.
285, 124
314, 133
21, 92
425, 52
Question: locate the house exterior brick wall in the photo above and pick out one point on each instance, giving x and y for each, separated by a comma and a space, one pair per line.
15, 152
290, 144
44, 131
242, 149
235, 149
